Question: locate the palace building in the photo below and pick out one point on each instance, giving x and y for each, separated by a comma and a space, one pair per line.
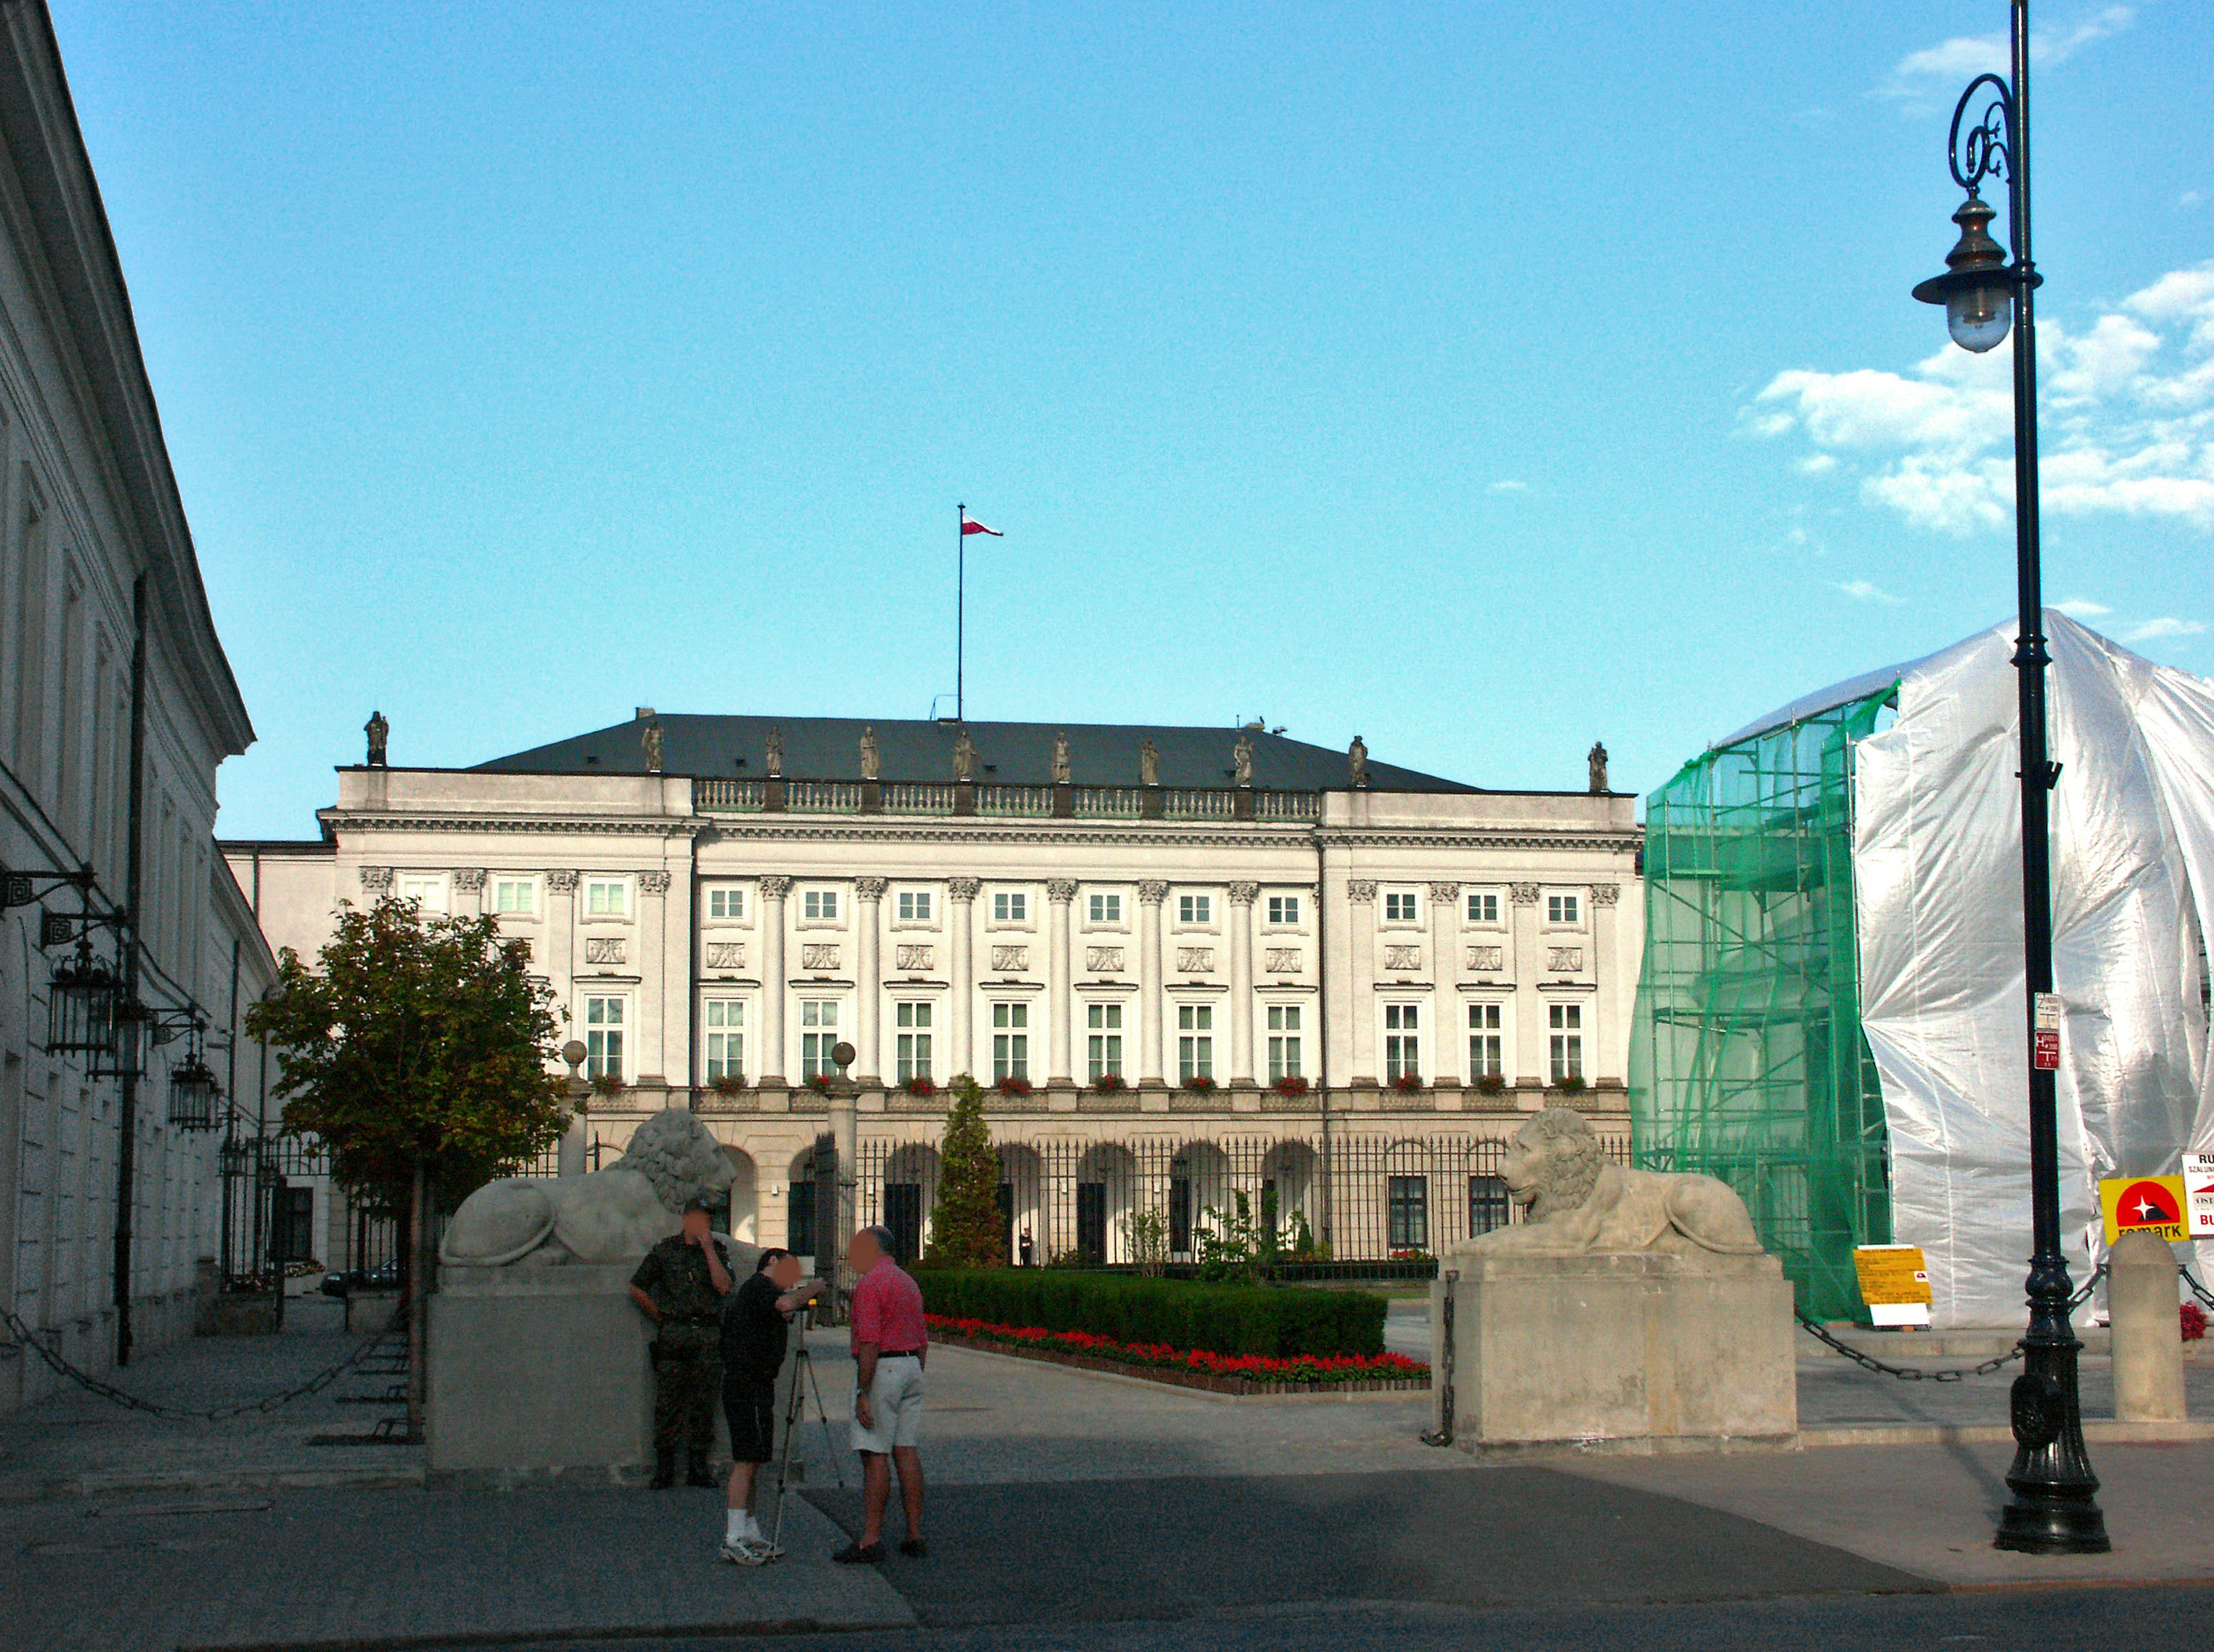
1185, 962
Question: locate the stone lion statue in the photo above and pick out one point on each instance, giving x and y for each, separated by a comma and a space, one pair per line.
616, 1213
1580, 1203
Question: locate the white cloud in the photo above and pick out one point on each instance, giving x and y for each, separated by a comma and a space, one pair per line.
1815, 464
2190, 199
2166, 626
1508, 484
1965, 56
2082, 608
1862, 591
2126, 419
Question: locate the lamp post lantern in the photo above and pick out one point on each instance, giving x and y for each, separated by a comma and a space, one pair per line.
2054, 1508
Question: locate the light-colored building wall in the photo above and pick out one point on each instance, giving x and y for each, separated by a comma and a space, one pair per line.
676, 924
107, 649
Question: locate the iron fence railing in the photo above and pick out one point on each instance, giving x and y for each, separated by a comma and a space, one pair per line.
1381, 1201
715, 796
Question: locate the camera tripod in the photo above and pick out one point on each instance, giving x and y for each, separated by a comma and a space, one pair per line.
795, 1414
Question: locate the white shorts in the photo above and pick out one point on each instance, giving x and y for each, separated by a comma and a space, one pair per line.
896, 1403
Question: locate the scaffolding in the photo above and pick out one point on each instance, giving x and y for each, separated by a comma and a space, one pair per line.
1747, 1059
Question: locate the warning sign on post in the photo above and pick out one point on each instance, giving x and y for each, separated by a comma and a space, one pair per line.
2142, 1204
2045, 1036
1894, 1284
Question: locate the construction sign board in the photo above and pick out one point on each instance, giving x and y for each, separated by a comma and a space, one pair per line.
2143, 1204
1894, 1284
2198, 1193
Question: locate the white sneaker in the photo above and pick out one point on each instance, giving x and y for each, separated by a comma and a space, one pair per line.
744, 1553
761, 1546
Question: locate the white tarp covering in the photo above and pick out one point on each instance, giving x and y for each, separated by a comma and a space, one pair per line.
1937, 865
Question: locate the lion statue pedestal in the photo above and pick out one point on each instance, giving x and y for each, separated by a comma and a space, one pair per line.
1630, 1305
538, 1363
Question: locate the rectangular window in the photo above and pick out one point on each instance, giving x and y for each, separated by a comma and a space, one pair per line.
913, 1040
1010, 906
1194, 1039
1399, 906
1483, 906
427, 892
1568, 1035
1486, 1050
728, 904
1104, 1022
1106, 908
603, 1038
1402, 1041
1487, 1204
515, 896
1283, 908
914, 905
606, 897
1563, 908
1284, 1043
819, 905
1407, 1212
726, 1039
1195, 908
1011, 1041
818, 1037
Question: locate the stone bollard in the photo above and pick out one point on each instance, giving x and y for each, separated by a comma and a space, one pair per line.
2141, 1297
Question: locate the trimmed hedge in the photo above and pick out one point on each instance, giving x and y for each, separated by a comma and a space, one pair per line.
1270, 1321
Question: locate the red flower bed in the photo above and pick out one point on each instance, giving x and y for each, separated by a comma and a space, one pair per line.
1258, 1370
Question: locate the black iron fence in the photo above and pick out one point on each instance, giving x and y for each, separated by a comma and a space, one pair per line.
1382, 1201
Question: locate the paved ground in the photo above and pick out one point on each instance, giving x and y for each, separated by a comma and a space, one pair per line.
1138, 1512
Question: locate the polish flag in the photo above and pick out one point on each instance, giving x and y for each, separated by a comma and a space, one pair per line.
970, 526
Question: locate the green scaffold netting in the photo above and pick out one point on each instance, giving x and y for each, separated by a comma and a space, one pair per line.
1746, 1059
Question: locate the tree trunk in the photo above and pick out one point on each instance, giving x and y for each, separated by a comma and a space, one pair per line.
417, 1304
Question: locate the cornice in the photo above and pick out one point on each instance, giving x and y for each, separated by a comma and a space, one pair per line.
567, 826
1295, 834
1588, 842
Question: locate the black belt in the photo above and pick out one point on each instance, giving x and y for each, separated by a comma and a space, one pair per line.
689, 1325
899, 1354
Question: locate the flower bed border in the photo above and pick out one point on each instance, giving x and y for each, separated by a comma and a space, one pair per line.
1170, 1376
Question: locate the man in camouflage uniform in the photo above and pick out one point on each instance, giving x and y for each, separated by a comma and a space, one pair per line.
681, 1285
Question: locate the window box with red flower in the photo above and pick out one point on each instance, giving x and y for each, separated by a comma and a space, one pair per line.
819, 1083
1407, 1083
920, 1085
1108, 1083
1013, 1084
1200, 1084
1291, 1086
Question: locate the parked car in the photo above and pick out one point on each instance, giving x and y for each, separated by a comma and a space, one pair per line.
385, 1277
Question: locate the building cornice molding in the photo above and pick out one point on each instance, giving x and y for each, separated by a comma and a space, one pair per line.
622, 826
1583, 841
1294, 835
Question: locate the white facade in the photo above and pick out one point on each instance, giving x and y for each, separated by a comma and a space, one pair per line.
95, 558
1345, 938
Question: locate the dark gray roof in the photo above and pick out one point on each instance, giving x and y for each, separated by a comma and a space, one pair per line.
1008, 754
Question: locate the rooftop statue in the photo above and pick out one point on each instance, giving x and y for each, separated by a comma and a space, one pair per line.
1597, 758
868, 758
1149, 762
650, 737
613, 1215
775, 753
1241, 755
1582, 1202
1061, 764
964, 758
1356, 757
378, 732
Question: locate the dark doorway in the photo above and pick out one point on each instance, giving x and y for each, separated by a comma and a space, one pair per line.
903, 1216
1179, 1215
1092, 1221
292, 1238
1007, 1220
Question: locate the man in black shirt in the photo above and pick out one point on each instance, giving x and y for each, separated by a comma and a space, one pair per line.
756, 1324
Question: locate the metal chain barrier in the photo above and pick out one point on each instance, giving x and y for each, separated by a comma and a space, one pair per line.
29, 1338
1955, 1374
2197, 1290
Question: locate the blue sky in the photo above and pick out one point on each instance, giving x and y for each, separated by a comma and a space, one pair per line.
1484, 379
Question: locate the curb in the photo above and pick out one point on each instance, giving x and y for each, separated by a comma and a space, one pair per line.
79, 1487
2097, 1431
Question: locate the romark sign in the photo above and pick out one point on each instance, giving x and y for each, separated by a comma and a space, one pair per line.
2143, 1204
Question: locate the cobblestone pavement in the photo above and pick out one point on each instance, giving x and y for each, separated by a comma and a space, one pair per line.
365, 1569
74, 1444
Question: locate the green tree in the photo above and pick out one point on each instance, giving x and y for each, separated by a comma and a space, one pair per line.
965, 1230
418, 1048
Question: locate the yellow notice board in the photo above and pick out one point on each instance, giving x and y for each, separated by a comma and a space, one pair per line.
2142, 1204
1894, 1284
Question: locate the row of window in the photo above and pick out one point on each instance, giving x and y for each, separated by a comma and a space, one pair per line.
610, 897
914, 1024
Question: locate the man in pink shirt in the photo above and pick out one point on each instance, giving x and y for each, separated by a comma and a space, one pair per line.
890, 1347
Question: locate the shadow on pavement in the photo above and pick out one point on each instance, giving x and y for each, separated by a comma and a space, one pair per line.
1166, 1548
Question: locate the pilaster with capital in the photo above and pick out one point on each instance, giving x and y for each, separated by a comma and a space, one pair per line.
1613, 1054
774, 892
961, 932
1447, 1046
1361, 979
1530, 1030
560, 957
868, 982
1059, 893
469, 891
1242, 896
1151, 1010
663, 1036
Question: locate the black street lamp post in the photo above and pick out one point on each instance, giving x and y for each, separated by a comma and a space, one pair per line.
2054, 1509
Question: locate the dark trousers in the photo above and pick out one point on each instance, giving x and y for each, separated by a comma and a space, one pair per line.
687, 1375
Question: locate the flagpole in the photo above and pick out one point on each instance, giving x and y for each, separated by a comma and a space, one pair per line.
960, 600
